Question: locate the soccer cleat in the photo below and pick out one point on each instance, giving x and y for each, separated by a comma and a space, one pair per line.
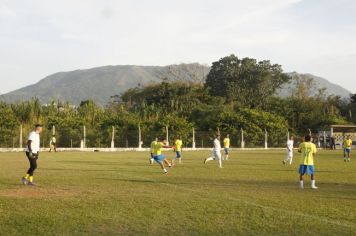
206, 159
349, 160
284, 163
31, 184
24, 181
314, 187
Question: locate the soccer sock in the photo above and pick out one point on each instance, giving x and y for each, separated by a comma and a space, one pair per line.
313, 183
180, 160
220, 163
302, 184
30, 179
26, 176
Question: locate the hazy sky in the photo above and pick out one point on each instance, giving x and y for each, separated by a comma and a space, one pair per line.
38, 38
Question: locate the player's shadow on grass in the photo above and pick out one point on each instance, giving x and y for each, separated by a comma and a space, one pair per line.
5, 183
338, 198
235, 184
135, 180
103, 163
119, 170
254, 164
272, 170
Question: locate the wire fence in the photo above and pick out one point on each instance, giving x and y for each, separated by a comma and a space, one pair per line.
131, 138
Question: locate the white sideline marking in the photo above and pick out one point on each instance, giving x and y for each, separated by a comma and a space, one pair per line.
293, 213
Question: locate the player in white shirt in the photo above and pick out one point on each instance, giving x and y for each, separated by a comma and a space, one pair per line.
32, 153
290, 147
216, 154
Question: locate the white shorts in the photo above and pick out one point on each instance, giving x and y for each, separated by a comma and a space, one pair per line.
217, 155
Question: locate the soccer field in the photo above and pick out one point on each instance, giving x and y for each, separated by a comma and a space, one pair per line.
121, 194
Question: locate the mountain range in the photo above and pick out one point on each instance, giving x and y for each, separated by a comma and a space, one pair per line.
101, 83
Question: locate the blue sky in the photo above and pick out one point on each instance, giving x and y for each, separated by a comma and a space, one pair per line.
38, 38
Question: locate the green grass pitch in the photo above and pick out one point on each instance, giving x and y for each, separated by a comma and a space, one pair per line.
120, 194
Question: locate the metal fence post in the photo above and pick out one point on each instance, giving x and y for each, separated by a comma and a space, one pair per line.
139, 137
193, 144
21, 144
242, 139
167, 135
266, 139
113, 138
84, 137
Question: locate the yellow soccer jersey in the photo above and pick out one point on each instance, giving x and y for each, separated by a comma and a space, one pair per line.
226, 143
153, 144
157, 150
307, 150
347, 143
178, 144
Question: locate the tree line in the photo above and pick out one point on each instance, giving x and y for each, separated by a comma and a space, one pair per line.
238, 94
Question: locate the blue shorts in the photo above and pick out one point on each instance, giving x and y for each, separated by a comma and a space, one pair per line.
178, 154
306, 169
159, 159
227, 150
347, 150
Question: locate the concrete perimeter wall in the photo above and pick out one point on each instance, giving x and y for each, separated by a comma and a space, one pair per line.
126, 149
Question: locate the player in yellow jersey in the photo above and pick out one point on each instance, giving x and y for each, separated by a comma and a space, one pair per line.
152, 147
159, 157
178, 149
227, 147
347, 145
307, 150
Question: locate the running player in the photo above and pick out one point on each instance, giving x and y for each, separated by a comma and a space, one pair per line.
32, 153
307, 150
153, 144
216, 154
347, 145
178, 150
290, 147
227, 147
159, 157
